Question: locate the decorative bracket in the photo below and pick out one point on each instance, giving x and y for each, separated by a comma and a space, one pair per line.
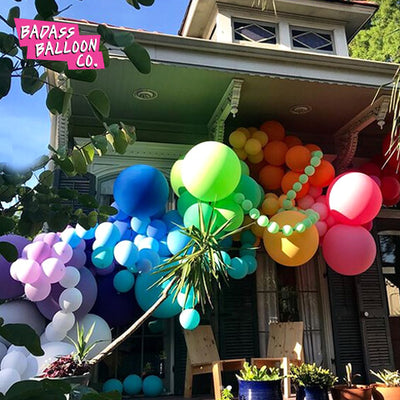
229, 104
346, 138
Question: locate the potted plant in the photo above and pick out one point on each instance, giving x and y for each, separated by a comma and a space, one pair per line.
351, 391
390, 388
259, 383
312, 381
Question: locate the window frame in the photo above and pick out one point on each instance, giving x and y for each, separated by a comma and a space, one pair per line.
314, 30
255, 22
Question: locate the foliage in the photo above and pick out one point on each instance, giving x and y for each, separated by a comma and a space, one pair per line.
309, 375
252, 373
81, 344
226, 393
380, 40
389, 378
349, 375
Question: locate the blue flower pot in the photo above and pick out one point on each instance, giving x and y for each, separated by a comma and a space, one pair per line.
316, 393
260, 390
300, 394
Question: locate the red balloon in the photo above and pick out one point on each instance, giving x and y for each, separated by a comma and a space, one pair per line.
349, 250
354, 198
370, 168
390, 188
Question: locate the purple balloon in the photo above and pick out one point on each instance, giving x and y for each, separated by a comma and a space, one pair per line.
63, 251
105, 271
87, 286
78, 259
39, 237
37, 251
9, 287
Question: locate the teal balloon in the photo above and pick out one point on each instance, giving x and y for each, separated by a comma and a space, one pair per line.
152, 386
176, 241
126, 253
238, 269
124, 281
191, 300
185, 201
189, 319
192, 216
248, 237
132, 384
251, 263
102, 257
246, 250
244, 168
251, 190
113, 384
226, 258
107, 234
226, 243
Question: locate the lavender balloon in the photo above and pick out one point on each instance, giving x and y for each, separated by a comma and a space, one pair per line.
37, 251
39, 290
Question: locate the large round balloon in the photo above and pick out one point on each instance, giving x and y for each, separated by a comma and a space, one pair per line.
354, 198
141, 190
348, 250
228, 210
152, 386
52, 351
146, 296
295, 249
211, 171
251, 190
9, 287
176, 178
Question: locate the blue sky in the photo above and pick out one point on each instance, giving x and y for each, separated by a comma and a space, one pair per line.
25, 121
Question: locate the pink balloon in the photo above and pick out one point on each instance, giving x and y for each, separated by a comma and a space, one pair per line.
51, 238
62, 251
330, 220
368, 226
39, 237
305, 202
39, 290
349, 250
37, 251
322, 227
321, 199
376, 179
54, 269
354, 198
315, 191
28, 271
321, 209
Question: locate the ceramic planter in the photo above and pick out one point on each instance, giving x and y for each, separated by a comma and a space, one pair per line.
260, 390
316, 393
359, 392
382, 392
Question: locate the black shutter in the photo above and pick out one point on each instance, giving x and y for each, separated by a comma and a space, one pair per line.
179, 359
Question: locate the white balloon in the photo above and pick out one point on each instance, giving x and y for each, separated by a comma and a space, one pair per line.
71, 277
22, 312
52, 351
8, 377
70, 300
21, 349
31, 369
53, 334
14, 360
101, 333
63, 321
3, 350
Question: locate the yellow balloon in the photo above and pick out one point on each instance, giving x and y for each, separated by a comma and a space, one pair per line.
252, 129
256, 158
261, 136
240, 153
237, 139
295, 249
252, 147
245, 131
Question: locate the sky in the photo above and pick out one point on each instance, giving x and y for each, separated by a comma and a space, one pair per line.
24, 119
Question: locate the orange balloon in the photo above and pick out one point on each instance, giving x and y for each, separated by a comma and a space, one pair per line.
273, 129
258, 231
297, 158
324, 174
282, 198
270, 177
313, 147
292, 141
261, 136
270, 206
256, 158
256, 168
275, 152
270, 194
295, 249
289, 180
240, 153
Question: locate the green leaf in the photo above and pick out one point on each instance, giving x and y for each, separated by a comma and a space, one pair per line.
85, 75
8, 251
108, 210
57, 66
83, 221
88, 201
30, 80
65, 164
115, 37
13, 13
130, 132
100, 103
39, 163
106, 54
6, 67
146, 3
88, 152
79, 161
46, 178
57, 221
8, 44
22, 335
46, 8
68, 194
58, 101
92, 219
114, 395
139, 57
100, 144
6, 224
39, 390
134, 3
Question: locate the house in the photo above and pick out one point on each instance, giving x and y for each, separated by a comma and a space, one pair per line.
234, 64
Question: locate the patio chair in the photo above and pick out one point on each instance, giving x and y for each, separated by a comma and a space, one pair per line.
203, 358
285, 347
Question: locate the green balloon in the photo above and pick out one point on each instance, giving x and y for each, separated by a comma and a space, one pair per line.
176, 178
185, 201
244, 168
210, 216
211, 171
251, 190
228, 210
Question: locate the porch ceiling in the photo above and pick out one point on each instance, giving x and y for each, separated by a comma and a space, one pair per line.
188, 96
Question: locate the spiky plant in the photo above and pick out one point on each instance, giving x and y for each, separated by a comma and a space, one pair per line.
349, 375
389, 378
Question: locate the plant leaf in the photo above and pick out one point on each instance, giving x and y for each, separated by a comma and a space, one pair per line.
100, 103
58, 101
8, 251
139, 57
13, 13
46, 8
79, 161
22, 335
6, 67
115, 37
85, 75
100, 144
7, 224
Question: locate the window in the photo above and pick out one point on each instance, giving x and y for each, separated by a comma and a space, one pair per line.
311, 39
254, 32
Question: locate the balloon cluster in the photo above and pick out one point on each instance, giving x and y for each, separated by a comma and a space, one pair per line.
151, 385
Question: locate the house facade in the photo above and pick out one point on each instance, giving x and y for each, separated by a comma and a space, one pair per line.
234, 64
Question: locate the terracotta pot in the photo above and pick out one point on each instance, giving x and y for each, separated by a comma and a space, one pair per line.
359, 392
382, 392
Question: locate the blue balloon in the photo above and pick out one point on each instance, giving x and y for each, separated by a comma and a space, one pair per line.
176, 241
107, 234
146, 296
124, 281
226, 257
247, 250
83, 233
138, 239
132, 384
102, 257
191, 299
124, 228
151, 255
173, 220
141, 190
120, 216
248, 237
140, 224
251, 263
149, 243
70, 236
189, 319
226, 243
126, 253
238, 269
112, 384
163, 251
157, 229
152, 386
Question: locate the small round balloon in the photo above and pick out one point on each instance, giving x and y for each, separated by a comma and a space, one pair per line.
113, 385
132, 384
124, 281
152, 386
213, 177
189, 319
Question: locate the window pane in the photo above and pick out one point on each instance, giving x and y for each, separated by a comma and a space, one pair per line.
309, 39
254, 32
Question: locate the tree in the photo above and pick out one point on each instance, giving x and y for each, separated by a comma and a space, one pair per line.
380, 40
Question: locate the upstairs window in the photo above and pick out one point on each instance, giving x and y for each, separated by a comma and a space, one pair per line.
254, 32
311, 39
